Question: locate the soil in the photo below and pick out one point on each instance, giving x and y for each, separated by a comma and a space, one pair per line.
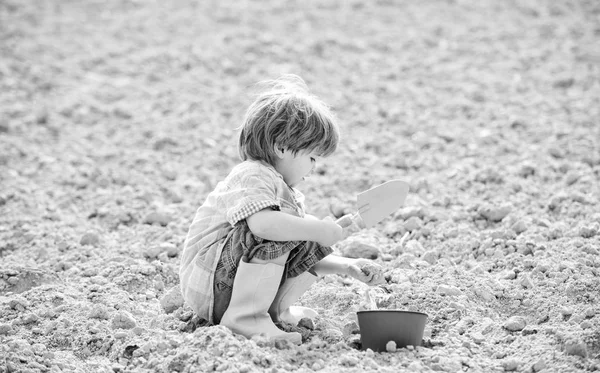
118, 117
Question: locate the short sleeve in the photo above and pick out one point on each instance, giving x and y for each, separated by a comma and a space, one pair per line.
249, 193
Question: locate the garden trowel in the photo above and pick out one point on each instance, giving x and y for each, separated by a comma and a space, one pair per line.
377, 203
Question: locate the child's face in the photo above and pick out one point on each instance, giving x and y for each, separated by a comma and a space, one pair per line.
295, 168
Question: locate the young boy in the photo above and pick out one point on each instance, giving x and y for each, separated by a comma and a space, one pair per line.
251, 250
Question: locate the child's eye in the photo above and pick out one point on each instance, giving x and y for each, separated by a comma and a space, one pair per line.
312, 159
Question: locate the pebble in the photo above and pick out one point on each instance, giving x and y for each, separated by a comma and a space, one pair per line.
152, 252
576, 348
525, 282
515, 323
123, 320
6, 329
306, 322
413, 223
30, 318
572, 177
588, 232
519, 226
172, 299
349, 361
19, 303
538, 366
351, 328
448, 290
411, 211
590, 312
508, 274
494, 213
358, 249
391, 346
171, 249
566, 311
90, 239
430, 257
387, 257
160, 218
510, 365
99, 311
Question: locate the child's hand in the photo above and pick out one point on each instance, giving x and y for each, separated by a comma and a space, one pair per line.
332, 233
351, 224
367, 271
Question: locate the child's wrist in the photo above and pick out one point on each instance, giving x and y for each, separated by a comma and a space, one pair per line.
346, 264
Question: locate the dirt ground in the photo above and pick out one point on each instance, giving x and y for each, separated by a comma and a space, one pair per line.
118, 117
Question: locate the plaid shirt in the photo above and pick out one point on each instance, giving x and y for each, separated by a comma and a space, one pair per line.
250, 187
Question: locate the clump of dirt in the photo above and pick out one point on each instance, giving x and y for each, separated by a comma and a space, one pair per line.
118, 117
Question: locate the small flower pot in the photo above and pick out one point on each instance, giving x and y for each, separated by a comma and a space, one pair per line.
378, 327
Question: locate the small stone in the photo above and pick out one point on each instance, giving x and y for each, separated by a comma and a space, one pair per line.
349, 361
123, 320
391, 346
566, 311
172, 299
430, 257
152, 252
590, 312
387, 257
485, 293
576, 348
526, 169
171, 249
515, 323
538, 366
510, 365
90, 239
99, 311
160, 218
589, 231
18, 303
519, 226
30, 318
5, 329
307, 323
494, 213
448, 290
508, 274
411, 211
358, 249
413, 223
120, 334
317, 366
525, 282
351, 328
163, 257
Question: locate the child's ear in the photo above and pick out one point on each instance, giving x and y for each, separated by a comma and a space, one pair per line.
279, 150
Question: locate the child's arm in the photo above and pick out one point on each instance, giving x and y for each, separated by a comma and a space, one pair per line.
279, 226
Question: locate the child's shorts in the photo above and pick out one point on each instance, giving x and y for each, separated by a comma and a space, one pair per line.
242, 242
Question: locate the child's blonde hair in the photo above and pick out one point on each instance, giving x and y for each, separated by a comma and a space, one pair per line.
287, 115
